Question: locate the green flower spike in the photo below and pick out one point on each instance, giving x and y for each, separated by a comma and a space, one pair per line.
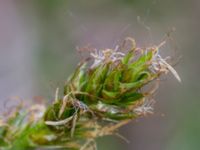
99, 97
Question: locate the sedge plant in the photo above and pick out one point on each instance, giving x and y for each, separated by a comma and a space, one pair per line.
104, 93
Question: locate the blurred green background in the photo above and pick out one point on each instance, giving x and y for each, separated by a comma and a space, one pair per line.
38, 40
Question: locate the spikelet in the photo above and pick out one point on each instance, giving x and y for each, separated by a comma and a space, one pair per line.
99, 97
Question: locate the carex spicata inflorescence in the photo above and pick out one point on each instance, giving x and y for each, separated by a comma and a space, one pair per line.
99, 97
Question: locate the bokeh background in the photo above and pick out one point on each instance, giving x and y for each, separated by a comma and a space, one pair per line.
38, 40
